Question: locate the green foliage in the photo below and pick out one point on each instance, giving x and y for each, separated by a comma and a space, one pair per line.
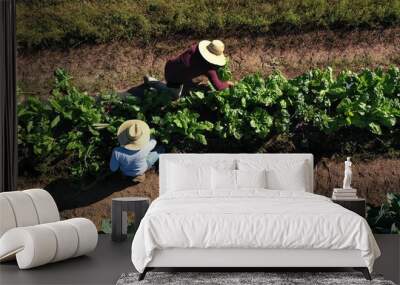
224, 72
247, 112
386, 218
311, 108
69, 23
59, 133
182, 124
106, 227
316, 112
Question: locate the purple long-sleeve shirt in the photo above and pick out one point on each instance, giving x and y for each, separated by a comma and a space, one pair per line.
191, 64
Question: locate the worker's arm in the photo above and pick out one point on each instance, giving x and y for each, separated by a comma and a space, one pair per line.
147, 149
216, 82
114, 164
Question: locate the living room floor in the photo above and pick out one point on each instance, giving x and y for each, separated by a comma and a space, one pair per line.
103, 266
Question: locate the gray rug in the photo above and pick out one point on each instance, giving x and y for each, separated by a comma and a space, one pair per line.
236, 278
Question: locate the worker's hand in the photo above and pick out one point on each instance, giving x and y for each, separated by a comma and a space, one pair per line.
230, 83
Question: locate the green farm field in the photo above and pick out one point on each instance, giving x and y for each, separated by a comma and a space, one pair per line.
70, 23
319, 76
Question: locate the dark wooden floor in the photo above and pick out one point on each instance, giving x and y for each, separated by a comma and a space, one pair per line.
103, 266
106, 264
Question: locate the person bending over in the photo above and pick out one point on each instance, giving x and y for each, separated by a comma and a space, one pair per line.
203, 58
136, 153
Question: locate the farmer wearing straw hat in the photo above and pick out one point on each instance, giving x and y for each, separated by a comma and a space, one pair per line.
136, 153
203, 58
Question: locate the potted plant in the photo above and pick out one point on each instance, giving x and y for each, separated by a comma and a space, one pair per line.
385, 224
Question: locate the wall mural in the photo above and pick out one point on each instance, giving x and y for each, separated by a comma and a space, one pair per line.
102, 92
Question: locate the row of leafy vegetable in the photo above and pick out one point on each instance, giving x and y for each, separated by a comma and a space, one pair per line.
72, 133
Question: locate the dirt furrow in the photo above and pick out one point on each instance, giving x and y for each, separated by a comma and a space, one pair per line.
122, 65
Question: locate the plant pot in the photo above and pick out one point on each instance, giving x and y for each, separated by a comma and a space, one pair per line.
388, 263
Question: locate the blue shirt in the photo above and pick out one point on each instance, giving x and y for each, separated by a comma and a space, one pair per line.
131, 162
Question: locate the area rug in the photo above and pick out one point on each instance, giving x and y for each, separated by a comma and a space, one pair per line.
244, 278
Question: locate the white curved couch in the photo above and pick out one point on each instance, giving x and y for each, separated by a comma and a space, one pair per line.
31, 230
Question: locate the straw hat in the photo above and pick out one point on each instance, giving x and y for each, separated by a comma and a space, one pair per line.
133, 134
213, 52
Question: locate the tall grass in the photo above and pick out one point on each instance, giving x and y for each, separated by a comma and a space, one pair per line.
69, 23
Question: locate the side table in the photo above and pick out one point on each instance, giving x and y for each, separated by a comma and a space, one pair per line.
119, 217
358, 205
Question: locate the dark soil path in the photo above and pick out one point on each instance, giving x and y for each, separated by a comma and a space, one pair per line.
121, 65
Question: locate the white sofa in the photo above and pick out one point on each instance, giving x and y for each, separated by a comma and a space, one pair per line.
31, 230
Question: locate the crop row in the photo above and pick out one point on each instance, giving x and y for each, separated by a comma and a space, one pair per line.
73, 133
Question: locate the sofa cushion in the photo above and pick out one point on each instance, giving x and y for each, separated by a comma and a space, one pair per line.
27, 208
7, 215
45, 205
24, 210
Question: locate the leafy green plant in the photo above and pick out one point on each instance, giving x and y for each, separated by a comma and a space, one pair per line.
58, 134
224, 72
73, 133
248, 110
181, 124
385, 219
106, 227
